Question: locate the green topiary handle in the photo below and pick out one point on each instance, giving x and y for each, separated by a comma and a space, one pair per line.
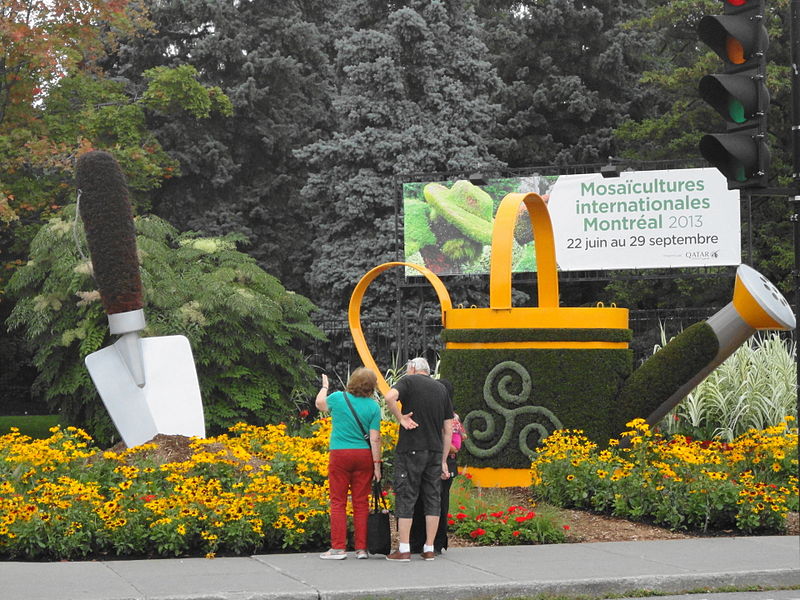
108, 220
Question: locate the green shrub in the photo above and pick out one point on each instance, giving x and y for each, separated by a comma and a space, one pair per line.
245, 329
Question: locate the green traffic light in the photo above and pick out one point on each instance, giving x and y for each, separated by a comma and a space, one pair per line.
736, 110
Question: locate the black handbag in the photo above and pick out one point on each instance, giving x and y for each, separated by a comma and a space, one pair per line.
379, 535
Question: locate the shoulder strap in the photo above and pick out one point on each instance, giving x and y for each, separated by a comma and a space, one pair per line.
358, 421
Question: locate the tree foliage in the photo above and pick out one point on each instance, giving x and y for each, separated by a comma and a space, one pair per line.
245, 329
56, 103
570, 74
239, 174
677, 118
414, 94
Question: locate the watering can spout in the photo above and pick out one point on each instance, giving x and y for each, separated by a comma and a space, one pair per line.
670, 374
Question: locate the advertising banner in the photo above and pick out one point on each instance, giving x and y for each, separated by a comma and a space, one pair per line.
645, 220
639, 220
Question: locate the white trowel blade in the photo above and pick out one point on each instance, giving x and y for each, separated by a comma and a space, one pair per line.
170, 401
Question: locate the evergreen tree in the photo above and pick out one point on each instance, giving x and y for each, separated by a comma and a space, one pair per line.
570, 70
414, 95
240, 174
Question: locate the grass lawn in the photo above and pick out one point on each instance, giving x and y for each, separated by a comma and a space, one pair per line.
36, 426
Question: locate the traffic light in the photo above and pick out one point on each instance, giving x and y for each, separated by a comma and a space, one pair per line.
739, 94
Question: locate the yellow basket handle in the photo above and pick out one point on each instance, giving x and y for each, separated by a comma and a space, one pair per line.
354, 312
502, 245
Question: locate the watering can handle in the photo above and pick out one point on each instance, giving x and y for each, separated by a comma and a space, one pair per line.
502, 245
354, 312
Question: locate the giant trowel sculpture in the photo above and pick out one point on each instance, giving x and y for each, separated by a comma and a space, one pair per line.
148, 385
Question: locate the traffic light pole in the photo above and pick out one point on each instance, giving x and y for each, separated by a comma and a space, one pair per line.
794, 198
794, 34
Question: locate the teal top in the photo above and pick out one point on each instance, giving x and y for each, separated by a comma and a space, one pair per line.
345, 432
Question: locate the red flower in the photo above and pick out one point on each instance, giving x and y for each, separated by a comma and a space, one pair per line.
520, 519
384, 493
480, 517
477, 532
566, 527
461, 516
497, 514
515, 533
148, 498
469, 476
303, 414
451, 522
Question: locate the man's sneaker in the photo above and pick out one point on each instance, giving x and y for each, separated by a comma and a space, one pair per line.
399, 556
428, 555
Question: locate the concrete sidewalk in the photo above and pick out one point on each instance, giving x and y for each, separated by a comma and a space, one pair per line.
667, 566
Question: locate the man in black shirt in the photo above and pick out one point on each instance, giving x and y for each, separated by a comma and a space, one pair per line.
426, 429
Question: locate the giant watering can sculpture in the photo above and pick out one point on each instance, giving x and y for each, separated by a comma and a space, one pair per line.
520, 373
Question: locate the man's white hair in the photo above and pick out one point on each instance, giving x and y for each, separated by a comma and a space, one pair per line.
420, 364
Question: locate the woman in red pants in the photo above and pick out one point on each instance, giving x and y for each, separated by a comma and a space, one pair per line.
354, 459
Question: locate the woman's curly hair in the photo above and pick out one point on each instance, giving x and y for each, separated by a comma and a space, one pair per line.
362, 382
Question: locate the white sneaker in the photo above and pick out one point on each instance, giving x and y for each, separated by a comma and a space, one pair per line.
333, 555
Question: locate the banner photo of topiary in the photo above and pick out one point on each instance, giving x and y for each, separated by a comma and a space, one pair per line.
521, 373
448, 224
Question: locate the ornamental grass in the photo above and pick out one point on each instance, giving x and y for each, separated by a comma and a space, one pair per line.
748, 485
255, 489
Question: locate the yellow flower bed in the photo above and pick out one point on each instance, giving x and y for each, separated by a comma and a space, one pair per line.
749, 484
253, 489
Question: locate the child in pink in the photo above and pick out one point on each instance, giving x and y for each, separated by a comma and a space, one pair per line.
458, 435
